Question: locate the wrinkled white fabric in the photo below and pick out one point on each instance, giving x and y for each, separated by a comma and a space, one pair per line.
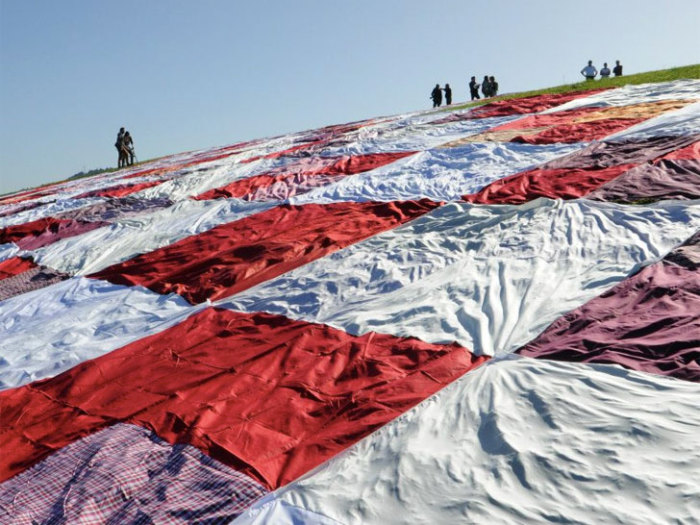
441, 174
636, 94
48, 331
126, 238
678, 123
518, 441
489, 277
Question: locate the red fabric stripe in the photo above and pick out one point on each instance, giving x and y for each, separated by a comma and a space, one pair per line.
271, 397
549, 119
42, 232
15, 266
121, 190
534, 104
563, 183
691, 152
578, 132
235, 256
346, 165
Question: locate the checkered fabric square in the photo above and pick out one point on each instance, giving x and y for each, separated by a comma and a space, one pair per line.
125, 474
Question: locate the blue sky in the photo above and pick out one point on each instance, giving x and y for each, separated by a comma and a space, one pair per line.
183, 75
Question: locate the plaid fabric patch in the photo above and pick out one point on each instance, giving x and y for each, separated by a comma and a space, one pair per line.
126, 474
32, 279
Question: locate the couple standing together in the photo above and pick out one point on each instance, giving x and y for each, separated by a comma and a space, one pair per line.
125, 147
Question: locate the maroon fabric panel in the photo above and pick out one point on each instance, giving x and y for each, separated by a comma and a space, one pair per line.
113, 209
562, 183
43, 232
613, 153
649, 322
235, 256
30, 280
664, 179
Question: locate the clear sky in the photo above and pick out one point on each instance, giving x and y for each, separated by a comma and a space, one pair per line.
184, 74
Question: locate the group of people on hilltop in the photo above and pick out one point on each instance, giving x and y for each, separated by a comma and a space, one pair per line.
125, 147
489, 87
436, 95
589, 71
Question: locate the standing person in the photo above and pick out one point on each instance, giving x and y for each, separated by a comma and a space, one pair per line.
605, 71
474, 89
119, 145
589, 71
436, 95
617, 70
494, 86
448, 94
486, 87
128, 146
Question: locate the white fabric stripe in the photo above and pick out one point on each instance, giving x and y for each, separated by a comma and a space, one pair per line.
50, 330
442, 174
636, 94
126, 238
488, 277
520, 441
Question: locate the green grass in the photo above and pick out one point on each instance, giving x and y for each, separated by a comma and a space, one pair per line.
662, 75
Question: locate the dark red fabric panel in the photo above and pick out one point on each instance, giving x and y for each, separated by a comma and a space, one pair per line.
577, 132
232, 257
664, 179
122, 190
553, 183
534, 104
649, 322
615, 152
15, 266
43, 232
691, 152
298, 177
268, 396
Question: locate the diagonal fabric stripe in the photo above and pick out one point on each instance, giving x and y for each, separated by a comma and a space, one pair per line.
232, 257
43, 232
271, 397
649, 322
296, 181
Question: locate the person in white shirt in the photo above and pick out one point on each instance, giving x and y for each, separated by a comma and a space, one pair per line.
605, 71
589, 71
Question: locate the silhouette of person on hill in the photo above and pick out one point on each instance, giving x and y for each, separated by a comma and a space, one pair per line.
617, 70
474, 89
448, 94
494, 86
486, 87
605, 71
119, 144
128, 147
589, 71
436, 95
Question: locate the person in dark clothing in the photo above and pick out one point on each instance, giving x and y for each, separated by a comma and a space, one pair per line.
617, 70
486, 87
119, 145
494, 86
436, 95
128, 146
474, 89
448, 94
